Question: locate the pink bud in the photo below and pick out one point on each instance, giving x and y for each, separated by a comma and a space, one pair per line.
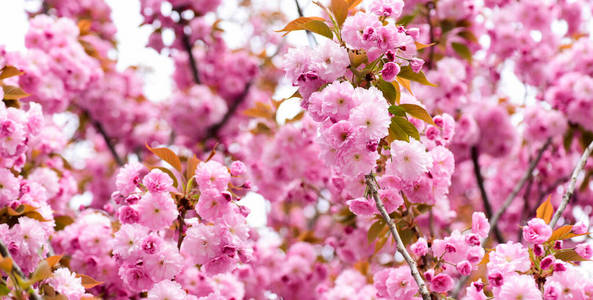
464, 268
495, 279
390, 71
547, 262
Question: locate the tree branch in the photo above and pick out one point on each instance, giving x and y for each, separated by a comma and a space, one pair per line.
571, 185
480, 180
214, 129
107, 139
16, 269
192, 60
519, 186
310, 36
401, 248
430, 7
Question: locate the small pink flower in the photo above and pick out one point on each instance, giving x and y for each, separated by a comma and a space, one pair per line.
480, 225
584, 250
464, 268
128, 215
537, 231
579, 228
157, 181
441, 283
420, 247
496, 279
547, 262
390, 71
362, 206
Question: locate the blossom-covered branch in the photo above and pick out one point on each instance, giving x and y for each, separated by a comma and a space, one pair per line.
401, 248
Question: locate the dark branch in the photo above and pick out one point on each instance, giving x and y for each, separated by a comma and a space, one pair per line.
214, 130
310, 36
480, 180
108, 141
192, 60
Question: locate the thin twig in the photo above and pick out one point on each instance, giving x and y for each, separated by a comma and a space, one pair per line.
519, 186
192, 60
571, 185
107, 139
16, 269
310, 36
214, 130
480, 180
401, 248
430, 7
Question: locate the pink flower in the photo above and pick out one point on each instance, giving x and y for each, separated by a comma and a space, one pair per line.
547, 262
372, 118
9, 187
480, 225
509, 258
157, 210
408, 160
441, 283
166, 289
537, 231
128, 177
584, 250
212, 205
67, 284
201, 244
212, 175
395, 283
420, 247
135, 278
390, 71
387, 8
362, 206
519, 287
579, 228
359, 31
157, 181
164, 264
464, 268
128, 215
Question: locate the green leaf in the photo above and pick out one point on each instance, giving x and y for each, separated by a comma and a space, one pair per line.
397, 133
4, 290
397, 111
42, 272
388, 90
406, 126
313, 24
418, 112
407, 73
462, 50
569, 255
375, 229
468, 36
62, 222
405, 20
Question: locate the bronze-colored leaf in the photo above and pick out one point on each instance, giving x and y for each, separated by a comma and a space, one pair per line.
10, 71
418, 112
313, 24
12, 92
168, 156
192, 164
340, 10
407, 73
88, 282
545, 211
569, 255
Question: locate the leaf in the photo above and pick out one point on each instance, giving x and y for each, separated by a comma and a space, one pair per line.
36, 216
405, 20
560, 233
568, 138
10, 71
397, 133
407, 73
407, 127
357, 58
168, 172
405, 83
397, 111
340, 10
569, 255
388, 90
418, 112
62, 222
468, 36
260, 110
375, 229
545, 211
42, 272
6, 264
420, 46
4, 290
84, 26
88, 282
53, 260
353, 3
12, 92
192, 164
462, 50
313, 24
381, 242
168, 156
398, 92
